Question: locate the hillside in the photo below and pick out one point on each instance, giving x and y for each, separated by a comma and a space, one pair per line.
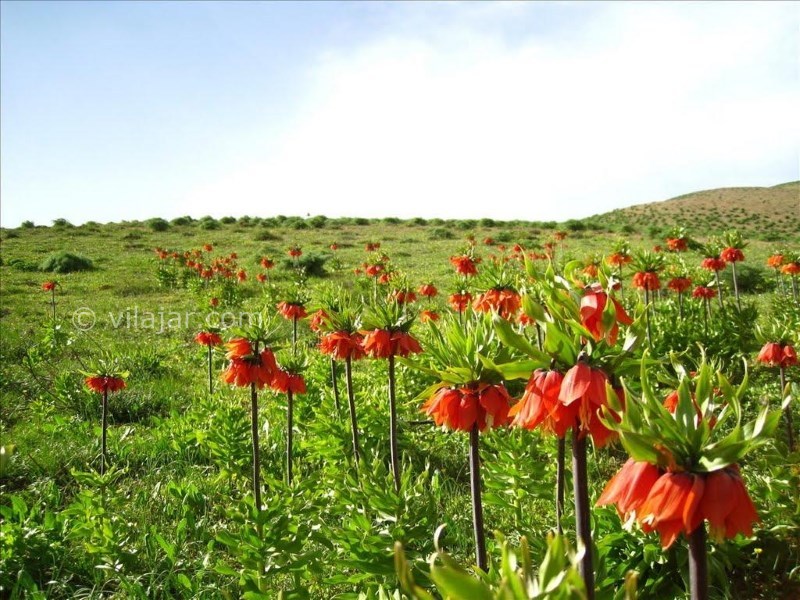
767, 213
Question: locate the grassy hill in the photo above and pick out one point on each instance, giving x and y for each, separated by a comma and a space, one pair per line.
768, 213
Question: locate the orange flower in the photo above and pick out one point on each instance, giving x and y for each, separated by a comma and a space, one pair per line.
208, 247
586, 387
629, 488
677, 244
334, 246
261, 278
646, 280
284, 381
732, 255
711, 263
488, 241
403, 296
105, 383
291, 310
372, 246
506, 302
208, 338
540, 405
267, 263
241, 275
318, 320
295, 252
428, 290
428, 315
461, 408
792, 268
373, 270
775, 261
382, 343
342, 345
727, 505
702, 291
459, 302
49, 286
679, 284
214, 302
464, 265
245, 370
618, 259
773, 354
239, 348
590, 270
672, 506
593, 304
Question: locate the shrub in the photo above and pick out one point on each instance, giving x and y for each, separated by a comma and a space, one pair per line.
360, 221
65, 262
318, 222
62, 224
466, 224
752, 279
628, 228
209, 223
10, 234
575, 225
158, 224
487, 222
265, 236
26, 225
182, 221
392, 220
313, 264
19, 264
441, 233
418, 221
299, 224
227, 220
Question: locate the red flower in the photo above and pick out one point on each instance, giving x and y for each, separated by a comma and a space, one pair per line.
646, 280
342, 345
208, 247
773, 354
373, 270
702, 291
208, 338
775, 261
105, 383
372, 246
382, 343
505, 302
629, 488
295, 252
239, 348
261, 278
586, 387
593, 304
246, 369
732, 255
488, 241
679, 284
672, 506
727, 505
267, 263
464, 265
214, 302
461, 408
291, 310
590, 270
284, 381
428, 290
618, 259
49, 286
560, 235
334, 246
677, 244
318, 320
403, 296
384, 278
792, 268
241, 275
459, 302
428, 315
540, 405
713, 264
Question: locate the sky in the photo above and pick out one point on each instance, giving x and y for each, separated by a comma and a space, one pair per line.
510, 110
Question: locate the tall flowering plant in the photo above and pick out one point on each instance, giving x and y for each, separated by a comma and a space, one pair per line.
469, 395
105, 377
288, 379
683, 469
387, 335
779, 350
731, 254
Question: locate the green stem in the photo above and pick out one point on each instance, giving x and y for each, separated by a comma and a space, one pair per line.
562, 451
736, 287
335, 385
477, 504
393, 426
256, 450
789, 423
289, 434
348, 374
581, 493
104, 418
210, 370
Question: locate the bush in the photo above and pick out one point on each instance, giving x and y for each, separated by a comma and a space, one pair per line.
392, 220
265, 236
7, 235
19, 264
575, 225
182, 221
628, 228
62, 224
418, 221
299, 224
360, 221
487, 222
318, 222
209, 223
752, 279
65, 262
313, 264
26, 225
466, 224
158, 224
441, 233
227, 220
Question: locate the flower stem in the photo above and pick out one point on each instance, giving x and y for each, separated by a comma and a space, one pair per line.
294, 335
680, 305
736, 287
348, 374
581, 493
477, 505
647, 316
562, 450
698, 568
789, 424
393, 426
719, 290
210, 371
335, 385
103, 434
256, 451
289, 434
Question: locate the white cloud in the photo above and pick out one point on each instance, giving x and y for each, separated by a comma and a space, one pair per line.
459, 122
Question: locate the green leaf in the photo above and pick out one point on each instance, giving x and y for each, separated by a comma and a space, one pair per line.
458, 584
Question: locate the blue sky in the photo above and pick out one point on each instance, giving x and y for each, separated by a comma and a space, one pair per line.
119, 111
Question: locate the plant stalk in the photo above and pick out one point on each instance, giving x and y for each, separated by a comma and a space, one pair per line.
393, 426
789, 423
335, 385
698, 567
104, 432
562, 451
477, 504
210, 370
289, 434
581, 493
348, 374
256, 450
736, 287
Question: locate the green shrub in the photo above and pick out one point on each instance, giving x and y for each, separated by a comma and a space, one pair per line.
575, 225
182, 221
487, 222
65, 262
227, 220
299, 224
360, 221
209, 223
751, 279
26, 225
441, 233
19, 264
313, 264
62, 224
7, 235
466, 224
158, 224
318, 222
392, 220
418, 221
265, 236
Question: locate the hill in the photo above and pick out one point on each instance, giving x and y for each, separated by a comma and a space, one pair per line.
766, 213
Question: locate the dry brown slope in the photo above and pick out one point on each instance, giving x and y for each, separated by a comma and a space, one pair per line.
762, 212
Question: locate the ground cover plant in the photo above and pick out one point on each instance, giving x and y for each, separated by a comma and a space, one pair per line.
320, 408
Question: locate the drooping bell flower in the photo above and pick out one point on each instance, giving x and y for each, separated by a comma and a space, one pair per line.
334, 246
267, 263
792, 268
241, 275
712, 263
213, 302
48, 286
731, 255
586, 387
775, 261
646, 280
372, 246
540, 405
342, 345
285, 381
629, 488
505, 302
677, 244
461, 408
618, 259
373, 270
295, 252
208, 338
460, 301
318, 320
245, 367
773, 354
382, 343
428, 290
704, 292
679, 284
403, 296
465, 265
208, 247
105, 383
291, 310
593, 305
673, 506
727, 505
261, 278
428, 315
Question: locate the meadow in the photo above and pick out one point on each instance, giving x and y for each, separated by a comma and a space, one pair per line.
173, 516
